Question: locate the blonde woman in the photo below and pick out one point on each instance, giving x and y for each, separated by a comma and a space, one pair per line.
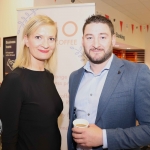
29, 102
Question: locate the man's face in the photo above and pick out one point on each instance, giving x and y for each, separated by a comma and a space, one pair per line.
98, 42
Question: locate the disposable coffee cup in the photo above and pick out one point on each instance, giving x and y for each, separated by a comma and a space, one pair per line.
80, 123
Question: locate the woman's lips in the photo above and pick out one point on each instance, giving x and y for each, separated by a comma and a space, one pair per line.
44, 51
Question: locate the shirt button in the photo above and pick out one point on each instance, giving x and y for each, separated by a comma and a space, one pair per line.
88, 114
90, 94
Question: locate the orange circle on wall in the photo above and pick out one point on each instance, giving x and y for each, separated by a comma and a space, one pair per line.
76, 28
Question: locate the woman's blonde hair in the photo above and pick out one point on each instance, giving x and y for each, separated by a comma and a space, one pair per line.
23, 58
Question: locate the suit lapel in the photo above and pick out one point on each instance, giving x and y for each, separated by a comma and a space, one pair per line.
74, 87
113, 77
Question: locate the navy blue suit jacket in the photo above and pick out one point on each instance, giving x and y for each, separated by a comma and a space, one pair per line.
125, 98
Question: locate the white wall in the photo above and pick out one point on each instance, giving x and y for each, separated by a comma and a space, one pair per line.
8, 22
147, 49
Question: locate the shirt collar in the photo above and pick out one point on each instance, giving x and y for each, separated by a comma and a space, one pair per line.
107, 67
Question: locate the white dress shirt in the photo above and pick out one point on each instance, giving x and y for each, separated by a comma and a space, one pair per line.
88, 95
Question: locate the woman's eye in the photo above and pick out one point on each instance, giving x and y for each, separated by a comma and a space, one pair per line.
37, 37
52, 39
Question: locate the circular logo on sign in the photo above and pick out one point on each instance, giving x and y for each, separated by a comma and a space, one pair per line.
65, 26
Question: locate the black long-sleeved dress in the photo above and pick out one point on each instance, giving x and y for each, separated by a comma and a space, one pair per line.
29, 109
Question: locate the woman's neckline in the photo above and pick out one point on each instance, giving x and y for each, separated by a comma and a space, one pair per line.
34, 70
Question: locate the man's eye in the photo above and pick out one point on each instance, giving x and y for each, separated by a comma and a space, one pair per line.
89, 37
37, 37
103, 37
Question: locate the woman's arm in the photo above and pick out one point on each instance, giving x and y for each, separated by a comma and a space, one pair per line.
10, 105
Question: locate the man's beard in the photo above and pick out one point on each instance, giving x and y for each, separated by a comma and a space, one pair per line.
102, 59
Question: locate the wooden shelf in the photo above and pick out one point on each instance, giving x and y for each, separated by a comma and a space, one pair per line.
131, 55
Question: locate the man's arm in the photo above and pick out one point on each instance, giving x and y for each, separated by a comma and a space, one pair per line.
139, 135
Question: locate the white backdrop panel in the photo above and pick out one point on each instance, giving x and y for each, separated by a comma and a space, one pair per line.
69, 53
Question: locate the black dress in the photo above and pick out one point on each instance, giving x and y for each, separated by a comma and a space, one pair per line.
29, 109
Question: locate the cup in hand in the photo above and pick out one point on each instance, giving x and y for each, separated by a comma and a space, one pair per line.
80, 123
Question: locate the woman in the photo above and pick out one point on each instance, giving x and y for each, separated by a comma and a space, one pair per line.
29, 102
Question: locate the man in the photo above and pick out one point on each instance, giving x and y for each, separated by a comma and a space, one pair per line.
110, 93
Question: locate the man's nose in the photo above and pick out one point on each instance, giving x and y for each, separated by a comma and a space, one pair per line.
96, 43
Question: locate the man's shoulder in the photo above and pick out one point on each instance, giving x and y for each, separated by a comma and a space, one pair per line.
79, 71
134, 65
128, 66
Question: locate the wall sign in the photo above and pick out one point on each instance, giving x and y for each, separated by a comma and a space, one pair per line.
9, 54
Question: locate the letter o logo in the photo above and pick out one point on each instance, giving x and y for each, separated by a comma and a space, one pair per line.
75, 31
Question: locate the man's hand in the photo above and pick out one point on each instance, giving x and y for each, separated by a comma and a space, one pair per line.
88, 137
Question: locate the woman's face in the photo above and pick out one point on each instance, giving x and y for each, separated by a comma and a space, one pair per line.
41, 43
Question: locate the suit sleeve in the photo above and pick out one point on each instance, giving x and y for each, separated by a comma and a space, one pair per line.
70, 141
10, 105
137, 136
